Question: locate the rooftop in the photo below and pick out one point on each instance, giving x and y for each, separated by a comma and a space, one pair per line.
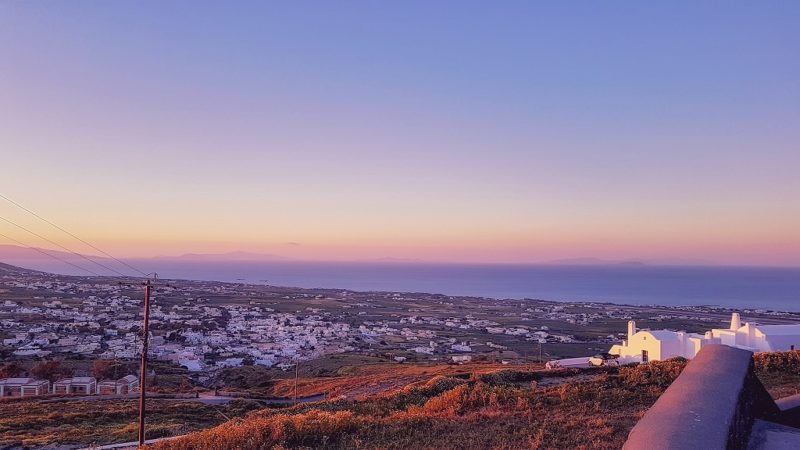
779, 330
77, 380
8, 381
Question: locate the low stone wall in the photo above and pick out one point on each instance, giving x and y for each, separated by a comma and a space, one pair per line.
790, 410
711, 405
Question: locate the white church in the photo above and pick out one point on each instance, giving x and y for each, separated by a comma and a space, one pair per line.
647, 345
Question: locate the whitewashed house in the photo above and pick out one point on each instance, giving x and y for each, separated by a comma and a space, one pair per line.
657, 345
76, 385
125, 385
759, 338
23, 387
191, 364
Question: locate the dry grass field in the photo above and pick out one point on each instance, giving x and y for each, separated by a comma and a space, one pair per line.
73, 422
494, 408
391, 407
501, 409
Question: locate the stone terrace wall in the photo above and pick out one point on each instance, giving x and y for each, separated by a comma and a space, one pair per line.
712, 405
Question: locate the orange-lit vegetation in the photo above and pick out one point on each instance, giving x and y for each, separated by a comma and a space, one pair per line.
396, 406
365, 381
490, 410
32, 423
780, 372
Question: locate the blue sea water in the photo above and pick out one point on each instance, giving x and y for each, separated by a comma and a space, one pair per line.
736, 287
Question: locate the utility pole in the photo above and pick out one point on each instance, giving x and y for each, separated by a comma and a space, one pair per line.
296, 370
143, 371
540, 351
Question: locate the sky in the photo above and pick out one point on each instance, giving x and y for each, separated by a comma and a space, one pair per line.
444, 131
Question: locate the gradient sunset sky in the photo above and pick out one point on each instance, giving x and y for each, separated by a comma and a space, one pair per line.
446, 131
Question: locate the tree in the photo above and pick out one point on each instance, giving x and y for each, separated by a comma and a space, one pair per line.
50, 370
104, 369
10, 370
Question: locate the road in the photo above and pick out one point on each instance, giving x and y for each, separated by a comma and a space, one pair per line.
130, 445
211, 399
205, 398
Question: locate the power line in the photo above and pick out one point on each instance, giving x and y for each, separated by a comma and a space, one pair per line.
65, 248
76, 237
148, 289
52, 256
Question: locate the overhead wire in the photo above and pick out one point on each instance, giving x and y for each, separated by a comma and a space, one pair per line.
146, 275
52, 256
74, 236
63, 247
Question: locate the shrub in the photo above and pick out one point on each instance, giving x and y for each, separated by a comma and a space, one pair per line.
508, 377
10, 370
777, 361
241, 406
311, 429
105, 369
657, 373
51, 370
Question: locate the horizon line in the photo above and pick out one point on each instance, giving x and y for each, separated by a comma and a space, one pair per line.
574, 262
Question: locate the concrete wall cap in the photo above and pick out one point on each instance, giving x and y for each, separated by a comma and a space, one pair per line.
698, 409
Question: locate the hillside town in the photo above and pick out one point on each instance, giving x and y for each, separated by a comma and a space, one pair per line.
55, 315
207, 326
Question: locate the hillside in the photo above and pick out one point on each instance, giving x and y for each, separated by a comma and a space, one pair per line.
501, 409
393, 407
9, 269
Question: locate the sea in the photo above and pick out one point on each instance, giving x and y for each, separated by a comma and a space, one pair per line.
732, 287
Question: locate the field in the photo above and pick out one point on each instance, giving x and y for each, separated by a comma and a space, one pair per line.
494, 409
442, 406
490, 409
72, 422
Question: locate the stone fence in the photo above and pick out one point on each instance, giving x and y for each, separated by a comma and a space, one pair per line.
713, 404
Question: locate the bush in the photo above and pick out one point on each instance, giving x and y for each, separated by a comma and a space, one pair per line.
10, 370
655, 373
105, 369
311, 429
51, 370
777, 361
471, 398
508, 377
241, 406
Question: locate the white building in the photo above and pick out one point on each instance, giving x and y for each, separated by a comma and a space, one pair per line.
191, 364
462, 347
759, 338
23, 387
76, 385
656, 345
568, 363
123, 386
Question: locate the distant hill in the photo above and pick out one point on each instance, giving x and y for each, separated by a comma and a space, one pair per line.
15, 252
390, 259
60, 262
595, 262
631, 262
229, 256
34, 258
8, 268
